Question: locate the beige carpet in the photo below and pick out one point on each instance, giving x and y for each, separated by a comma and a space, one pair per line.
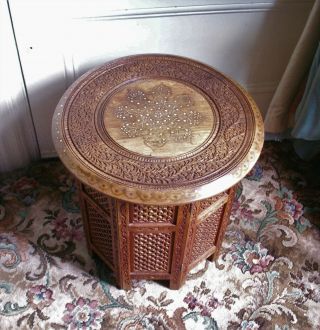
267, 276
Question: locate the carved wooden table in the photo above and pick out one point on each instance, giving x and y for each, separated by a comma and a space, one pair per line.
157, 142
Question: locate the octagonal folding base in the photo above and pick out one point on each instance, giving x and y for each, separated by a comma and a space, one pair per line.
139, 241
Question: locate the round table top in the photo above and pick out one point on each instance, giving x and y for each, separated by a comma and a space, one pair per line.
157, 129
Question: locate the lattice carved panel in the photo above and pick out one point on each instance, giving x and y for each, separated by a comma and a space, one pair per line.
152, 252
100, 233
101, 199
206, 234
209, 201
146, 214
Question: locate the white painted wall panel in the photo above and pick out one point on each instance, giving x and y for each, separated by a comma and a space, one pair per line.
18, 144
58, 41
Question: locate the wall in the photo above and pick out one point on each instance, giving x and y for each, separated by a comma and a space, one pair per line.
18, 144
251, 41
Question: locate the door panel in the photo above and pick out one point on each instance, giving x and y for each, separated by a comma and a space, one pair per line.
249, 41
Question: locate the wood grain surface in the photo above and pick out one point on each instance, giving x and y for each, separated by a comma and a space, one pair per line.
157, 129
158, 118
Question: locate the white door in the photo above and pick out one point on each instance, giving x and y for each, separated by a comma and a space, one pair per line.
251, 41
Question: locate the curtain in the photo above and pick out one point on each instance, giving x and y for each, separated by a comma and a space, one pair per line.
18, 144
277, 118
306, 130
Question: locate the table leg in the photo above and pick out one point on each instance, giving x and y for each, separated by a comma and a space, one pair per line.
223, 225
122, 241
84, 217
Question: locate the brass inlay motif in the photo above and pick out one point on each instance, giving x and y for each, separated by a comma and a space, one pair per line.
158, 118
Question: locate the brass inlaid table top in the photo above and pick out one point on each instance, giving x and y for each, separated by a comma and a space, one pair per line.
157, 129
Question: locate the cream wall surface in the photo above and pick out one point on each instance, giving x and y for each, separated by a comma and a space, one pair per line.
251, 41
18, 144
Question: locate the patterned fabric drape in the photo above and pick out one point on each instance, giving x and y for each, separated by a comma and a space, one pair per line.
276, 120
307, 119
306, 128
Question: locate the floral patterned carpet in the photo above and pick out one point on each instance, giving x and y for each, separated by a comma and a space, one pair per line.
267, 276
